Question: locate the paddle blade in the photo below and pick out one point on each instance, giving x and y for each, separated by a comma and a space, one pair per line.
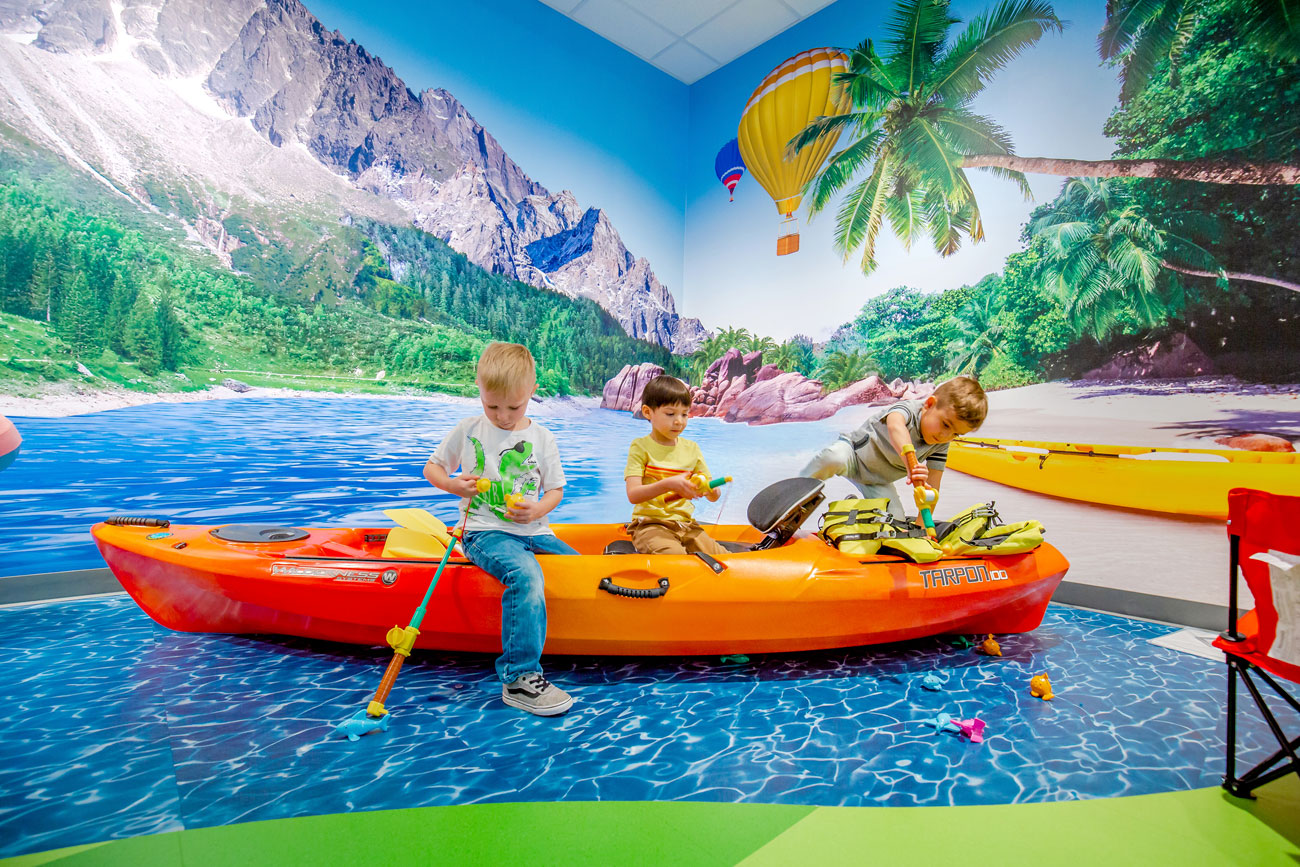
420, 521
407, 544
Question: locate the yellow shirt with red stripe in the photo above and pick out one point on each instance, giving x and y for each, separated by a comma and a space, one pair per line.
652, 462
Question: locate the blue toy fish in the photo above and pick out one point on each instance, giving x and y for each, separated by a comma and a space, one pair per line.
931, 682
942, 723
361, 724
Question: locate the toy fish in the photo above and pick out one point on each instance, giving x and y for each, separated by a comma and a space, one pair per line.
972, 728
991, 647
1040, 686
931, 683
942, 723
361, 724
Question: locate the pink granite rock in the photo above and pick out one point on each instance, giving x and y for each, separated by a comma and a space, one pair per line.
623, 392
1257, 442
1172, 358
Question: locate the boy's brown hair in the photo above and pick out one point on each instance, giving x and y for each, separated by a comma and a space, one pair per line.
505, 367
665, 390
967, 400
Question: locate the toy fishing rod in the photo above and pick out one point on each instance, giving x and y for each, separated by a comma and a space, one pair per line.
375, 715
926, 497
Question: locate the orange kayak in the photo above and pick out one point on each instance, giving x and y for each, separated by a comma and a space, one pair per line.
334, 584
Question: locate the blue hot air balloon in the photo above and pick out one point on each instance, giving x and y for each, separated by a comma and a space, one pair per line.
729, 166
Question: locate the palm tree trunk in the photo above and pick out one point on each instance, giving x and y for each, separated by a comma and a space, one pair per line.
1233, 275
1205, 171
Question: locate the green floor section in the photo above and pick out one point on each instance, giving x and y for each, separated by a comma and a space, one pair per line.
1205, 826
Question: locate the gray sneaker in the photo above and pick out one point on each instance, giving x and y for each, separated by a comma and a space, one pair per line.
536, 694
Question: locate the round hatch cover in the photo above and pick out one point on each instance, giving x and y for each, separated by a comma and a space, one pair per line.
259, 533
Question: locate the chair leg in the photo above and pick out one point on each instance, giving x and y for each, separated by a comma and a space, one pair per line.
1230, 781
1256, 777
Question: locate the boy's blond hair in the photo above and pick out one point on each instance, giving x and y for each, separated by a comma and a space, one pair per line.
506, 367
967, 400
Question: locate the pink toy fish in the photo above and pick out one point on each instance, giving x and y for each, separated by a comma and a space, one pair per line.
972, 728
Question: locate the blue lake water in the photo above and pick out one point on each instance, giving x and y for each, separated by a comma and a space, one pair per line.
137, 729
319, 462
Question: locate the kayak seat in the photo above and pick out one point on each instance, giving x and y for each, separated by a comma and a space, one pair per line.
625, 546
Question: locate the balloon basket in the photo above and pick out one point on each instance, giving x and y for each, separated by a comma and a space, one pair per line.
787, 244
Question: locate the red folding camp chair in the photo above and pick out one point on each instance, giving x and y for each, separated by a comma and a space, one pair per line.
1264, 542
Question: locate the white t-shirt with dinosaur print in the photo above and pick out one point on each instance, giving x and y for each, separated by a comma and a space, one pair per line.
523, 462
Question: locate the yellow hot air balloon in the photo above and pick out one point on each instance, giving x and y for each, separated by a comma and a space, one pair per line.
794, 94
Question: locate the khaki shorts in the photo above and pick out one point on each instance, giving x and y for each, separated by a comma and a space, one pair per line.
655, 537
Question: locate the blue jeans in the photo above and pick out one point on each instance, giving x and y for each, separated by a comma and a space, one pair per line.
511, 559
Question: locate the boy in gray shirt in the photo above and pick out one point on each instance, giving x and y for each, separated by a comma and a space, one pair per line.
871, 457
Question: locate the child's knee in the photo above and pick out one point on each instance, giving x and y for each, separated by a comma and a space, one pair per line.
830, 461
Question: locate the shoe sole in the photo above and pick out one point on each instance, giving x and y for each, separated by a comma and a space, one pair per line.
553, 710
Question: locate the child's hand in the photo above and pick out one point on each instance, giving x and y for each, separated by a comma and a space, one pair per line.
682, 486
464, 486
918, 476
525, 511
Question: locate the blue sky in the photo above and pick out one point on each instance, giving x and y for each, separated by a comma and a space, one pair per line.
1053, 101
574, 110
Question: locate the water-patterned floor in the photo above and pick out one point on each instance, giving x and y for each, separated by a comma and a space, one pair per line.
118, 727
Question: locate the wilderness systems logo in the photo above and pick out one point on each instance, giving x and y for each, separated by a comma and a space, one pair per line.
950, 576
342, 574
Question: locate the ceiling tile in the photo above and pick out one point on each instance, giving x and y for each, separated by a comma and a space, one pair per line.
619, 23
807, 7
680, 16
741, 27
684, 63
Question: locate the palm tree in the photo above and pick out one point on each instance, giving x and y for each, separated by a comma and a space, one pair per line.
765, 345
842, 368
913, 132
911, 119
1138, 34
1109, 263
784, 358
977, 333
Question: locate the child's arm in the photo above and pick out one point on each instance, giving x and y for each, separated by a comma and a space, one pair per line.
899, 438
935, 476
461, 486
638, 491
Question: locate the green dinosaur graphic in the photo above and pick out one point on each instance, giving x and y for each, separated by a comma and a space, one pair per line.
513, 465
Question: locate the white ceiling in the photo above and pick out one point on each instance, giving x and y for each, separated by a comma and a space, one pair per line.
687, 39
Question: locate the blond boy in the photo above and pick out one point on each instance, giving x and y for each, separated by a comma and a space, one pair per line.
506, 526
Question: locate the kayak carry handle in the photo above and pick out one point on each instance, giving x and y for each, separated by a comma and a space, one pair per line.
128, 521
608, 585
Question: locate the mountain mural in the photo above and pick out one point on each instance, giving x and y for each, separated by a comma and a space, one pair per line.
252, 108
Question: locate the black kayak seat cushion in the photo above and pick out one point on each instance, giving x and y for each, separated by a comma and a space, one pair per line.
782, 501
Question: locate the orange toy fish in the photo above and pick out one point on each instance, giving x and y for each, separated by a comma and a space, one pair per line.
991, 647
1040, 686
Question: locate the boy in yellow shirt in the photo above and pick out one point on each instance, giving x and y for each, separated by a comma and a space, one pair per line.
658, 476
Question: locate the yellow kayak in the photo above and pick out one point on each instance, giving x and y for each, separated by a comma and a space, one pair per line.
1182, 481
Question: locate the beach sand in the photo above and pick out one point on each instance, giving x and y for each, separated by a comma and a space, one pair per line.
61, 400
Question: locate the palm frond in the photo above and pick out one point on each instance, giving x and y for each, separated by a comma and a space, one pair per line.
840, 169
858, 221
990, 42
1124, 18
1274, 26
917, 29
819, 127
1151, 44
